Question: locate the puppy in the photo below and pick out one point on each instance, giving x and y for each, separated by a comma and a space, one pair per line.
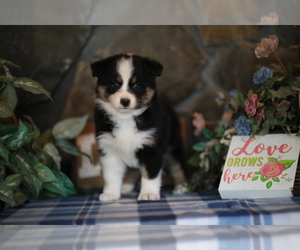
133, 128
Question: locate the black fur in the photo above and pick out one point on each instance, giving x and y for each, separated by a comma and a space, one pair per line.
158, 114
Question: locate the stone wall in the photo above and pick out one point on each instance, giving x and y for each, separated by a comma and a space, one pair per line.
199, 62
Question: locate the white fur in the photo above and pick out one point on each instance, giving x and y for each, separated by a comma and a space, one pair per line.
150, 188
125, 69
119, 148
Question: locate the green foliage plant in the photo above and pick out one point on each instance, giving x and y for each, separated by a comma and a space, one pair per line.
30, 161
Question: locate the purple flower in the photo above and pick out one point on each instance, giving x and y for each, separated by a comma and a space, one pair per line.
262, 75
242, 126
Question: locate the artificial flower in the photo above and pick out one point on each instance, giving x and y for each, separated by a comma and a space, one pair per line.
198, 122
251, 105
242, 126
266, 46
260, 115
262, 75
271, 19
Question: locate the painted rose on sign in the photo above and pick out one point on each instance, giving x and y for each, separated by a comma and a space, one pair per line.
272, 170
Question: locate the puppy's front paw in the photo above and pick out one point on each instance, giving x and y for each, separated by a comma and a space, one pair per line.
108, 197
149, 197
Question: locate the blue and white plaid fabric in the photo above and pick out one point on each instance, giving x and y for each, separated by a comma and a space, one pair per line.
150, 237
82, 222
190, 209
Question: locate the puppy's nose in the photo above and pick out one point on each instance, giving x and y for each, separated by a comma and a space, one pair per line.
125, 102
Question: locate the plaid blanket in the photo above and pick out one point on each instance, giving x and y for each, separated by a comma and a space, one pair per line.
150, 237
190, 209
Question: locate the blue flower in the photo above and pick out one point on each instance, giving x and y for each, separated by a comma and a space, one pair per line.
262, 75
242, 126
298, 79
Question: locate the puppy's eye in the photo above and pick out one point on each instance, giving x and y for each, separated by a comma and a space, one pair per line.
116, 85
135, 86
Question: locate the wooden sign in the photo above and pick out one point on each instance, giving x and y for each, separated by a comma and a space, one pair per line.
260, 167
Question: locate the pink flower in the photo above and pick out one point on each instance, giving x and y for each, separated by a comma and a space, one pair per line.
251, 105
260, 115
272, 169
198, 122
271, 19
266, 46
283, 102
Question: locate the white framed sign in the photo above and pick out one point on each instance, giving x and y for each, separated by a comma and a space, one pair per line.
260, 167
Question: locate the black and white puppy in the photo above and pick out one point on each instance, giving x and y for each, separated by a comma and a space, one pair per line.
132, 126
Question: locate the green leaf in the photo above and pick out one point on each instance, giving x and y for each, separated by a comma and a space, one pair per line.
194, 160
4, 153
70, 189
19, 197
31, 86
12, 181
69, 128
263, 178
283, 92
207, 134
7, 132
10, 95
5, 110
2, 172
17, 140
52, 151
241, 100
6, 195
69, 148
276, 179
34, 127
255, 178
218, 148
258, 173
269, 184
29, 136
44, 173
272, 159
33, 185
220, 131
287, 163
56, 187
200, 146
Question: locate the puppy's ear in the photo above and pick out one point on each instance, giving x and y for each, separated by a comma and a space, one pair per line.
154, 67
99, 66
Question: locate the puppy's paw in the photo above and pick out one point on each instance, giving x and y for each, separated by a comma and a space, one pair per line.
108, 197
148, 197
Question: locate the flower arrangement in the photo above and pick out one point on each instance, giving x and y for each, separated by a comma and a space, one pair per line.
272, 106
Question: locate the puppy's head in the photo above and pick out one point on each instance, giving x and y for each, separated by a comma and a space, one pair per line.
126, 82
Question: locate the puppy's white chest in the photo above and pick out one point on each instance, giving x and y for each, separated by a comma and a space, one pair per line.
125, 140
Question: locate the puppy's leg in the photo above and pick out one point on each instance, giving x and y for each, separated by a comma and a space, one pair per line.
131, 177
113, 172
150, 188
177, 174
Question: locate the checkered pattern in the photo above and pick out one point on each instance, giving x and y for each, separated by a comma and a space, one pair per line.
149, 237
191, 209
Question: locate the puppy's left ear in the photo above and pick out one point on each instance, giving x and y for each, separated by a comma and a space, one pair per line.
154, 67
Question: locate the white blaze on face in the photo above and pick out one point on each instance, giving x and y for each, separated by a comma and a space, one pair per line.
125, 69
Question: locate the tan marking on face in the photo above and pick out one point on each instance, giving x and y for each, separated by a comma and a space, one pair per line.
119, 79
134, 80
102, 92
148, 95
